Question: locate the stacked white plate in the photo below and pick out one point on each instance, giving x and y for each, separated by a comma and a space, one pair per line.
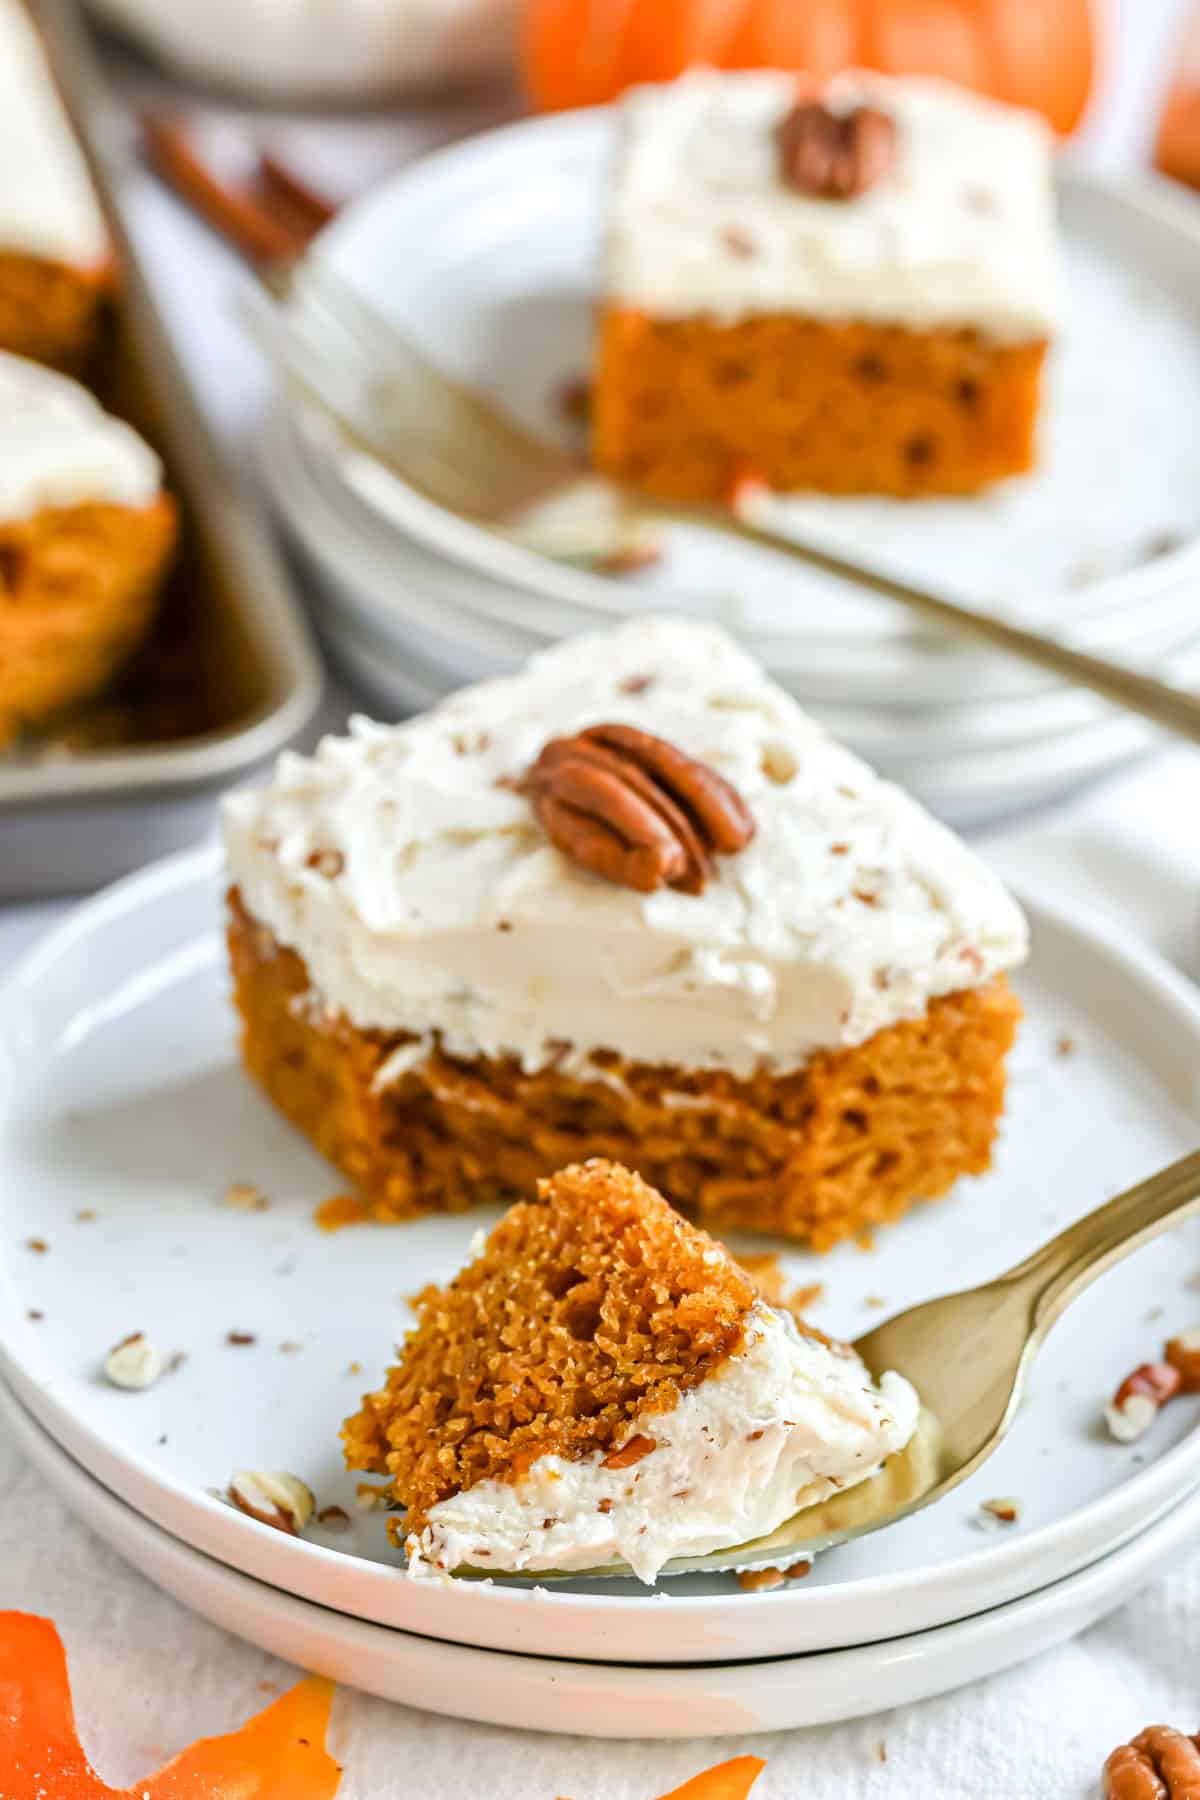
485, 255
124, 1118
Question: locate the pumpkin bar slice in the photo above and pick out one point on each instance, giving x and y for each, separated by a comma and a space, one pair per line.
849, 288
602, 1381
86, 534
55, 259
631, 902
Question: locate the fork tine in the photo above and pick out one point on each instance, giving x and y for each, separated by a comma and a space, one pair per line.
309, 361
595, 525
386, 349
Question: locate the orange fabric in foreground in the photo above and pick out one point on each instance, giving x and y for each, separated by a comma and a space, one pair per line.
682, 406
279, 1755
728, 1781
842, 1145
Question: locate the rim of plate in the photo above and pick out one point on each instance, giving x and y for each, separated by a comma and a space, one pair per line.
287, 1624
319, 1572
456, 166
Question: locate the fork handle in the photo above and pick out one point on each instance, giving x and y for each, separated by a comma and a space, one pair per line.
1171, 708
1057, 1273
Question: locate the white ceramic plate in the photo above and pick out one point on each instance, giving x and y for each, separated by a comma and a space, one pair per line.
120, 1095
614, 1700
508, 227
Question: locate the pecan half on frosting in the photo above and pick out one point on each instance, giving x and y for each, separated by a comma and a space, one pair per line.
1160, 1764
636, 810
835, 156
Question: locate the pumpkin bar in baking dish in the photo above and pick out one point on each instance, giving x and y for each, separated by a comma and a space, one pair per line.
630, 903
55, 259
849, 288
86, 537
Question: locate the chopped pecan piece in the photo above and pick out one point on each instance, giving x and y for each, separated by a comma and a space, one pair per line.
630, 1453
274, 1498
835, 156
1183, 1353
1136, 1403
636, 810
134, 1363
1005, 1510
1160, 1764
760, 1581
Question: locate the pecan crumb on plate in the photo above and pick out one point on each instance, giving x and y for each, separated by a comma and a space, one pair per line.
1139, 1400
243, 1196
994, 1514
134, 1364
334, 1518
274, 1498
1183, 1354
760, 1581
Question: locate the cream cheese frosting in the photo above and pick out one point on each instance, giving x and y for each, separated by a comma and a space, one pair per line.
960, 233
784, 1423
59, 448
47, 206
424, 896
286, 47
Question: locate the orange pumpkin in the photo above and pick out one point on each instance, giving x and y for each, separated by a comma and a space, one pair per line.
1036, 53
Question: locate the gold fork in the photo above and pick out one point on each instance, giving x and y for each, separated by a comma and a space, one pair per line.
969, 1356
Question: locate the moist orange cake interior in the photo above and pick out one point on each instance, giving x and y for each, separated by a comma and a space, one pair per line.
690, 408
848, 1142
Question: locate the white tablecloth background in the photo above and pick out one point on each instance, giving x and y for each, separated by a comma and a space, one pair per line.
149, 1676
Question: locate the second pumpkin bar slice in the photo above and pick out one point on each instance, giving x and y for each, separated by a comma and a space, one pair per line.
848, 288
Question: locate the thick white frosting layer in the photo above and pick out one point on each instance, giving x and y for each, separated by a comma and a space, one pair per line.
960, 233
47, 206
449, 911
59, 448
785, 1423
287, 47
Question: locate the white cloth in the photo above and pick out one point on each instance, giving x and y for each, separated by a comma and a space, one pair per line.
150, 1676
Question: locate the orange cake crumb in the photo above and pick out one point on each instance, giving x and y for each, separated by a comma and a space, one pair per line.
609, 1306
341, 1210
848, 1141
